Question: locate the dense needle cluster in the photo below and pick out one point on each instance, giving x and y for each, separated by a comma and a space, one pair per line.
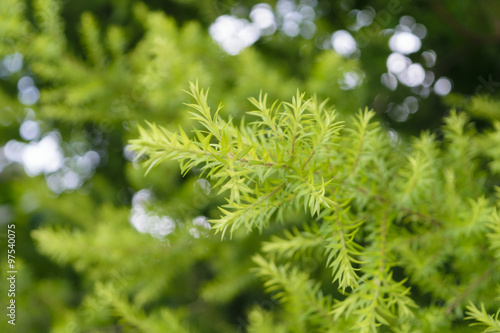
407, 232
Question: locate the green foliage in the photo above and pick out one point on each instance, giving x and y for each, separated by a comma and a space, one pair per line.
264, 165
345, 222
484, 319
373, 209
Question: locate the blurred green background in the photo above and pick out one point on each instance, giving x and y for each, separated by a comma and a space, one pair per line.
100, 247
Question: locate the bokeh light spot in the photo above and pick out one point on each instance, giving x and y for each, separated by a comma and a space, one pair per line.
442, 87
413, 76
404, 42
29, 130
343, 43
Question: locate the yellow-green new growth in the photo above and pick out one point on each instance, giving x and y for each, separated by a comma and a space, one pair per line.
383, 219
266, 166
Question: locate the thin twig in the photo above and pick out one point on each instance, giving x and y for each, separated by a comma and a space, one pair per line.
467, 291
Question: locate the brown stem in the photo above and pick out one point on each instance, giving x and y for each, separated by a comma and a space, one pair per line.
383, 232
405, 209
309, 158
467, 291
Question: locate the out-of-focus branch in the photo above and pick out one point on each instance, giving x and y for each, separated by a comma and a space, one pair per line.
464, 31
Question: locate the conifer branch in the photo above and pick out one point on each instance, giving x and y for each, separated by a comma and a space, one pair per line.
295, 155
492, 323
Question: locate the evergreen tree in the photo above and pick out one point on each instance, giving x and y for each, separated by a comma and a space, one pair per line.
292, 211
394, 224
